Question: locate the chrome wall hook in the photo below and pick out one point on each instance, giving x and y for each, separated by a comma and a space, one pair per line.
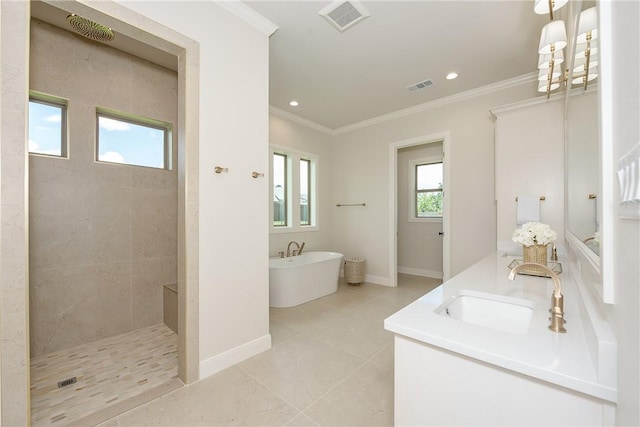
257, 175
220, 169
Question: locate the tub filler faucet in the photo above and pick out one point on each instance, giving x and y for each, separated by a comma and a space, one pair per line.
289, 248
557, 300
295, 252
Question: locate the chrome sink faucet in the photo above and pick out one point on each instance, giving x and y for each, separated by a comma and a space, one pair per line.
557, 299
295, 252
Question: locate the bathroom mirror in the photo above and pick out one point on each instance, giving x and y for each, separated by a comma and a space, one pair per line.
582, 147
589, 173
583, 176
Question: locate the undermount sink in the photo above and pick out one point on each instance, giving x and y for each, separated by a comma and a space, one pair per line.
492, 311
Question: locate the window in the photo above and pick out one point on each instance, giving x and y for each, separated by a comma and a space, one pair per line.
133, 141
279, 190
428, 190
305, 192
47, 125
293, 174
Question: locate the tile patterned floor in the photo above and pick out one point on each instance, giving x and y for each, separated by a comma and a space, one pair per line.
331, 363
108, 372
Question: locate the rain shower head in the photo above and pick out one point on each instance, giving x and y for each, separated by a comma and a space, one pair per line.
89, 29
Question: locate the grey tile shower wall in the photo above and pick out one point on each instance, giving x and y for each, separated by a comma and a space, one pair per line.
103, 237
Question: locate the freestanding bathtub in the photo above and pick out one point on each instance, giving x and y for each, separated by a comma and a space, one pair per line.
299, 279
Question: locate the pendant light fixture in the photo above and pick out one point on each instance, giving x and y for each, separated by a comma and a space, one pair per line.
553, 39
585, 68
542, 7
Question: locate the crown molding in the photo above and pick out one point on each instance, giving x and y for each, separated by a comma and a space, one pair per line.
479, 91
482, 90
249, 15
542, 99
558, 96
300, 120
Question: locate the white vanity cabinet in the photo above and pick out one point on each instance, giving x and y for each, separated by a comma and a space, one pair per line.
436, 387
452, 372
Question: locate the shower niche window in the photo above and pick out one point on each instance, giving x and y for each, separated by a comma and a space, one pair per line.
129, 140
47, 125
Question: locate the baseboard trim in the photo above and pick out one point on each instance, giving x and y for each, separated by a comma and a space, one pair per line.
378, 280
224, 360
421, 272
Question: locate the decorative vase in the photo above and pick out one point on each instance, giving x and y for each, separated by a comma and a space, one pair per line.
536, 254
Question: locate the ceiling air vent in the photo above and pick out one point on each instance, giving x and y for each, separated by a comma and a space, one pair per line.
344, 14
421, 85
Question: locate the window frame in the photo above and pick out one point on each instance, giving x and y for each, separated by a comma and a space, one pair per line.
166, 127
413, 191
63, 104
293, 203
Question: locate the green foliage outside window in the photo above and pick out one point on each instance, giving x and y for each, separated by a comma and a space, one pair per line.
428, 189
429, 204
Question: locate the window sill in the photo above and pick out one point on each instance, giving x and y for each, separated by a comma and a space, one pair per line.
296, 229
434, 219
48, 156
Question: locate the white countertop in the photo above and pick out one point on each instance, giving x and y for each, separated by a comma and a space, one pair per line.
562, 359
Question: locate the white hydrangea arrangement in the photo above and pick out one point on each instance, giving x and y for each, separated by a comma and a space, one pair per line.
534, 233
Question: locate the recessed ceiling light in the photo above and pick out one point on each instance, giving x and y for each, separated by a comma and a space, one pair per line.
452, 75
293, 103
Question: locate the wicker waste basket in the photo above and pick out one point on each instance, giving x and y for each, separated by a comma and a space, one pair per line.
354, 270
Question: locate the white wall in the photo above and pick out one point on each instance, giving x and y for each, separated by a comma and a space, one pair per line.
287, 133
362, 175
233, 109
529, 162
419, 245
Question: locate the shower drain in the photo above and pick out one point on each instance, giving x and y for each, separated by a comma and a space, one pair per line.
67, 382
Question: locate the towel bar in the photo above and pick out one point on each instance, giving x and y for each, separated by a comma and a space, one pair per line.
541, 198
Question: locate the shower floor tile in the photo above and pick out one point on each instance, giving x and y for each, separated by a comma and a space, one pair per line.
108, 372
